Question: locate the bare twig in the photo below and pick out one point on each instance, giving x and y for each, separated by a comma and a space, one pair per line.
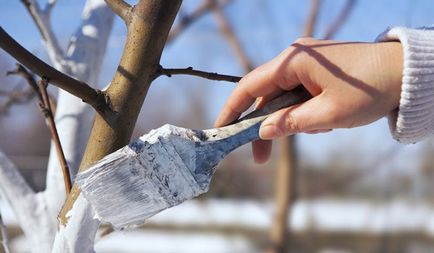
340, 20
228, 32
23, 95
45, 106
199, 73
4, 240
21, 71
15, 97
120, 7
186, 20
95, 98
311, 19
42, 17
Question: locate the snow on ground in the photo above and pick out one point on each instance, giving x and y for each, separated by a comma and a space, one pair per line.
140, 241
323, 215
168, 242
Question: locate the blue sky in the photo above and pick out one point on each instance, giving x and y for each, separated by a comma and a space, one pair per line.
265, 28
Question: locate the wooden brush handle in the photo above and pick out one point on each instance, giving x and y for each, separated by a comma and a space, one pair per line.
218, 142
295, 96
246, 128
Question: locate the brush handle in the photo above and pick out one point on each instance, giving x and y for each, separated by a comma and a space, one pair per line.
216, 143
295, 96
246, 129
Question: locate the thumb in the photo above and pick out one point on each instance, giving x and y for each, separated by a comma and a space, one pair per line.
311, 115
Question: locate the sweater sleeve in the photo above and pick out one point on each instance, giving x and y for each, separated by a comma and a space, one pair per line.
414, 119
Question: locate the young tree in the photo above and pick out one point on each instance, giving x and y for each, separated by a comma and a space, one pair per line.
117, 108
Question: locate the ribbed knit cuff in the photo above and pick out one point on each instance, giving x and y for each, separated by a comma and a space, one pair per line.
414, 119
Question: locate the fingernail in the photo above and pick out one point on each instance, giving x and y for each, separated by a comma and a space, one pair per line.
268, 132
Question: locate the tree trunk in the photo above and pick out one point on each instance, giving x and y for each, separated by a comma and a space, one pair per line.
284, 196
148, 25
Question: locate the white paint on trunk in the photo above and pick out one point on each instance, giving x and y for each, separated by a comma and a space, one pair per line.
74, 119
37, 213
79, 234
30, 211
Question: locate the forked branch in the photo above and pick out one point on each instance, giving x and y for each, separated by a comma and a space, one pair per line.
42, 17
121, 8
148, 27
40, 89
96, 98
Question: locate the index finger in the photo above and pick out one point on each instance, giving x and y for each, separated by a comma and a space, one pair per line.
263, 81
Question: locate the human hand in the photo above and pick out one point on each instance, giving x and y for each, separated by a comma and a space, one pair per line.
353, 84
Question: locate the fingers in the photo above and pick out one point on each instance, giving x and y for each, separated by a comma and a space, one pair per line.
313, 115
261, 150
263, 81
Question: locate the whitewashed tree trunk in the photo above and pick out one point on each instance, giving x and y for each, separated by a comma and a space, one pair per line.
37, 213
73, 117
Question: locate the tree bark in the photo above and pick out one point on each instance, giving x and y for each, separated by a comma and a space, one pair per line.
148, 26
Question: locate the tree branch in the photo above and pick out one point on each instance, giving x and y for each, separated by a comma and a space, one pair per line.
95, 98
311, 19
15, 97
49, 6
186, 20
199, 73
42, 19
45, 106
228, 32
121, 8
21, 71
340, 20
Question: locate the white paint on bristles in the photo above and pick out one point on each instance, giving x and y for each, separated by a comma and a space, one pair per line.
142, 178
159, 170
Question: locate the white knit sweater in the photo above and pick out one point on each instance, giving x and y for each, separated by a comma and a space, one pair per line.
414, 119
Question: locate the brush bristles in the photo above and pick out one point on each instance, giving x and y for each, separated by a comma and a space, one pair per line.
138, 181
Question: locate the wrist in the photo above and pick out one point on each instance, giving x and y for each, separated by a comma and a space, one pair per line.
391, 63
414, 119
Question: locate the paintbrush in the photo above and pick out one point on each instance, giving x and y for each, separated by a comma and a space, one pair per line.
168, 165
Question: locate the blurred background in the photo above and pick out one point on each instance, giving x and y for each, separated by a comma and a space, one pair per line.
346, 191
